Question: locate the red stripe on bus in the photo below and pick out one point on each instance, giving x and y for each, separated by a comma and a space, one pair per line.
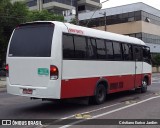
86, 86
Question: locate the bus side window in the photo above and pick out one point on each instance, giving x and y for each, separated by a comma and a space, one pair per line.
146, 55
68, 47
80, 47
117, 51
127, 51
92, 54
137, 53
109, 50
101, 49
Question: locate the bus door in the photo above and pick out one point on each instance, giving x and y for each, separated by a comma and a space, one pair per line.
137, 50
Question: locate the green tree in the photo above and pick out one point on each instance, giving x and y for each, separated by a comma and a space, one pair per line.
10, 16
156, 60
73, 21
43, 15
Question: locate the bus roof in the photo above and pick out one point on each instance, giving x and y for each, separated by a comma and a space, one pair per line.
95, 33
102, 34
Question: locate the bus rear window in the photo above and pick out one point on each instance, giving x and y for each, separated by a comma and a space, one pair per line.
32, 40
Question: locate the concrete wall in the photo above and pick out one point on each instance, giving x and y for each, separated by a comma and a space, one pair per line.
150, 28
124, 28
156, 69
133, 27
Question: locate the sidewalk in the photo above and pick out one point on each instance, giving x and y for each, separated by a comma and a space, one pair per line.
2, 82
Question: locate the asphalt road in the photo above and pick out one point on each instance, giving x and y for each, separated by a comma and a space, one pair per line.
124, 105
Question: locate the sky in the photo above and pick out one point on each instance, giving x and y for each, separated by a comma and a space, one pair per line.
114, 3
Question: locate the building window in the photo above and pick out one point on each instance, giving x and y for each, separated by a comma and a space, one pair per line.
81, 8
31, 3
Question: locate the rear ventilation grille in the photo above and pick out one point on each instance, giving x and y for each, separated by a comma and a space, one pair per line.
117, 85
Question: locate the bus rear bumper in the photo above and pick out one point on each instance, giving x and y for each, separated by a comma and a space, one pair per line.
30, 91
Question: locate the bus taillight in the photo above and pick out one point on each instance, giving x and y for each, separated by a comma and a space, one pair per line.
53, 72
7, 70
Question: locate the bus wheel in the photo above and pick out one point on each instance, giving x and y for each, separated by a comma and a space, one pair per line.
100, 95
144, 85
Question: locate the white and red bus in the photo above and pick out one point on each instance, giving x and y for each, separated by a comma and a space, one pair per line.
55, 60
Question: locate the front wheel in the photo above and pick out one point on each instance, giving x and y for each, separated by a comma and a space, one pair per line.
100, 95
144, 85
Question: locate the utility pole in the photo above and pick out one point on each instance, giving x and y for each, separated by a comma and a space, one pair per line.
39, 4
77, 20
105, 20
100, 13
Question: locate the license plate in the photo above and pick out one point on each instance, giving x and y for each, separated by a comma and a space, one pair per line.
27, 91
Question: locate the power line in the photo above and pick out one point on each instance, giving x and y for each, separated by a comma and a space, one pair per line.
95, 12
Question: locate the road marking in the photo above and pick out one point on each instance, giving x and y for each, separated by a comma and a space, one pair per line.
156, 82
130, 102
157, 93
44, 126
153, 79
86, 112
115, 110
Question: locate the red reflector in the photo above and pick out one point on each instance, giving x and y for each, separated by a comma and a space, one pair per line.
53, 72
7, 67
53, 69
7, 70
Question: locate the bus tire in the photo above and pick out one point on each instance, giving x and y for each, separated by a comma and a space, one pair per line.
100, 95
144, 85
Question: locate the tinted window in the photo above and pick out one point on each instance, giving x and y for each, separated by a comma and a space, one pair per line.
92, 54
101, 50
81, 8
109, 50
127, 52
68, 47
80, 47
32, 41
146, 55
117, 51
137, 53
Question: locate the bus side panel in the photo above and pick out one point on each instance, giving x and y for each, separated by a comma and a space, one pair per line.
86, 86
79, 78
120, 83
78, 87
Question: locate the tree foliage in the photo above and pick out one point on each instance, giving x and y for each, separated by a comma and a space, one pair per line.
11, 15
156, 60
73, 21
43, 15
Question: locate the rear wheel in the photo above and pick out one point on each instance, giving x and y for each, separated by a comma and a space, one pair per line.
144, 85
100, 95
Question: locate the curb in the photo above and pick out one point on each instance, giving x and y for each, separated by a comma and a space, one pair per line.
3, 90
2, 86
